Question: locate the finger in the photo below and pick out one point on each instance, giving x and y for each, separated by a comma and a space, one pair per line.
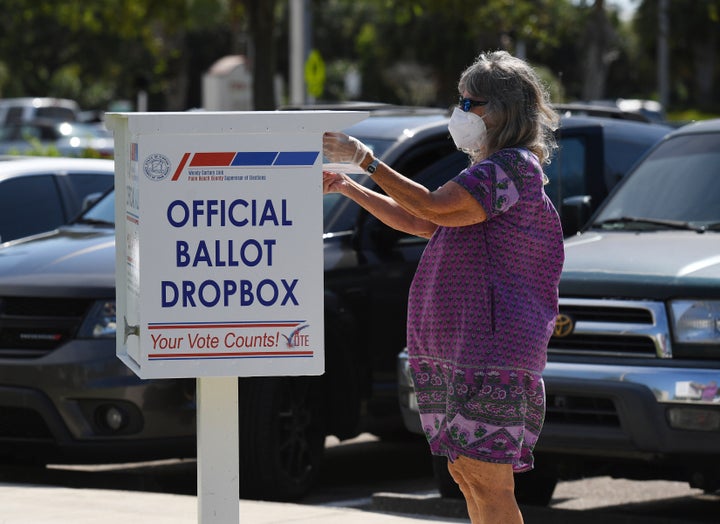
331, 137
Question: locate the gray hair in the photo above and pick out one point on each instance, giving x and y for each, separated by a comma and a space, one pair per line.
518, 113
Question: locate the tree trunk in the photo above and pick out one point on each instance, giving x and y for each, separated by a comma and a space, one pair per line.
704, 54
599, 54
262, 54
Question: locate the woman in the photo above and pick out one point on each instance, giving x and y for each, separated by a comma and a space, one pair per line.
483, 301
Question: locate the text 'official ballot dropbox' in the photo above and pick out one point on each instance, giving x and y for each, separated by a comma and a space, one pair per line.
219, 267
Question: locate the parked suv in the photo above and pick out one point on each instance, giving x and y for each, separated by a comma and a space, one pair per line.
64, 396
634, 362
57, 322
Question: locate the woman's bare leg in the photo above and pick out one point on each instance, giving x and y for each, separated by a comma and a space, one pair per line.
489, 491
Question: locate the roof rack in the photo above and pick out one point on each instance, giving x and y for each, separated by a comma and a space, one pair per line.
597, 110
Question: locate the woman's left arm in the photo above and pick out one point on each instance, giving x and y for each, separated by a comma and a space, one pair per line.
450, 205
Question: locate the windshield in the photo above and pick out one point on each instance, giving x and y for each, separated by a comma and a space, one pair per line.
678, 183
102, 212
377, 145
336, 215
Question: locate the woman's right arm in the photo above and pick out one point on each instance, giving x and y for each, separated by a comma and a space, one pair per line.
381, 206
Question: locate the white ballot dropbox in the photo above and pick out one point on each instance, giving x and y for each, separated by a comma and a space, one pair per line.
219, 267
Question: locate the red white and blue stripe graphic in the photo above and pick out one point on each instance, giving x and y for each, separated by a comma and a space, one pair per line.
246, 159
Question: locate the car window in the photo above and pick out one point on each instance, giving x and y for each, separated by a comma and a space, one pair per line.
28, 131
102, 211
56, 113
377, 145
86, 183
14, 115
621, 153
436, 171
339, 212
432, 165
11, 132
566, 171
680, 180
29, 205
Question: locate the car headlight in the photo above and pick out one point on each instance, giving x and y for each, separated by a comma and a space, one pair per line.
100, 321
696, 321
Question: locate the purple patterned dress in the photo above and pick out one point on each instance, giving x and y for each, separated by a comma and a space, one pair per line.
481, 311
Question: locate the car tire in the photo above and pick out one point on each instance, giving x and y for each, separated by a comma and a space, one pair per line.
534, 488
281, 436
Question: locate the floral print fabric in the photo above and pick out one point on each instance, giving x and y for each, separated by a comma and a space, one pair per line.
481, 311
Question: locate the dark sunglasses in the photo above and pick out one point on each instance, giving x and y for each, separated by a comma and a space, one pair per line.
466, 104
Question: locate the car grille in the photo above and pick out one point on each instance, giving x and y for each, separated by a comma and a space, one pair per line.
566, 409
33, 327
22, 423
616, 328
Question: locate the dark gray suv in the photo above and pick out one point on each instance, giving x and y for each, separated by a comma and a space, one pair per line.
64, 396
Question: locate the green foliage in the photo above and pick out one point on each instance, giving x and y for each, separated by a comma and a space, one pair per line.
37, 148
407, 51
690, 115
96, 50
412, 51
694, 45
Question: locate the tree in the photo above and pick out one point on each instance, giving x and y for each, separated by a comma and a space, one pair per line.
98, 50
404, 42
600, 54
262, 15
407, 51
694, 46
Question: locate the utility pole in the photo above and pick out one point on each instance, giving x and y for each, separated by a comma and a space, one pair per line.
298, 50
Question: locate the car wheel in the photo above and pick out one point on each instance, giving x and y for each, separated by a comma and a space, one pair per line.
282, 436
534, 488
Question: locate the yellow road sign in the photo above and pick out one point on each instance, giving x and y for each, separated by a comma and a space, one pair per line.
315, 73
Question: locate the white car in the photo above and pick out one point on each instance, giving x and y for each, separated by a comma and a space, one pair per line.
38, 194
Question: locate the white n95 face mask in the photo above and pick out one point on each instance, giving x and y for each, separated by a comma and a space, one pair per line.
467, 130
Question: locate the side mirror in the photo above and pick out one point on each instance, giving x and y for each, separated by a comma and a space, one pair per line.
575, 213
90, 199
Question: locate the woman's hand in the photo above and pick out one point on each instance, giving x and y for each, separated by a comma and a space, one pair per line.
339, 147
334, 182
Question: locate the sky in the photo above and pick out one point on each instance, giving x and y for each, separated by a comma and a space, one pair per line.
627, 7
